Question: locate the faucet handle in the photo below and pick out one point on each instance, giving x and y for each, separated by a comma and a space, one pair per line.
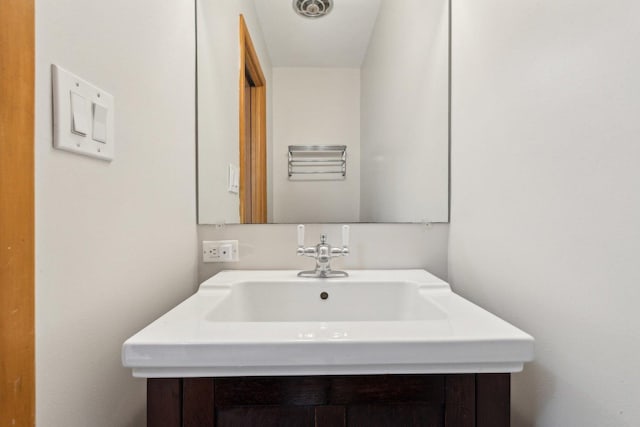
300, 235
345, 236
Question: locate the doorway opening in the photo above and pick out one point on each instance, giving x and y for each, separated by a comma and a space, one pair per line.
253, 133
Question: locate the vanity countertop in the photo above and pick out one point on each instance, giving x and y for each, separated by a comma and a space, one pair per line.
254, 323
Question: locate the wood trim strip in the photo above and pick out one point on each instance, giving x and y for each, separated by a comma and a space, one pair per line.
164, 402
493, 400
460, 402
17, 360
255, 155
242, 136
254, 391
198, 407
387, 389
259, 155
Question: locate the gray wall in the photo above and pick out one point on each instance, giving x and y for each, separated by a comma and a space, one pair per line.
273, 246
404, 114
327, 114
546, 203
115, 242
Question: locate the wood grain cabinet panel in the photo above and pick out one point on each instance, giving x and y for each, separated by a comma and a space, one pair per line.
463, 400
267, 416
395, 415
330, 416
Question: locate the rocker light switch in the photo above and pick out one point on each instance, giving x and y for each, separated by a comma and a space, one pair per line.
79, 114
234, 179
99, 123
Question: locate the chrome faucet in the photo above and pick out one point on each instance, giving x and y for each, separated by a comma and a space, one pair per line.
323, 252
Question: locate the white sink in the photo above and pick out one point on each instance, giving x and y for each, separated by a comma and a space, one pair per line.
324, 300
374, 321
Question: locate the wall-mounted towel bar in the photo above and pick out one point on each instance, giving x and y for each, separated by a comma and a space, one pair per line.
323, 161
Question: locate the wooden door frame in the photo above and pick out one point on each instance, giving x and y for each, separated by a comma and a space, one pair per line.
17, 272
250, 64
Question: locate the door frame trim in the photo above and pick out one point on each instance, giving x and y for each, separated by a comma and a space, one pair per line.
250, 64
17, 213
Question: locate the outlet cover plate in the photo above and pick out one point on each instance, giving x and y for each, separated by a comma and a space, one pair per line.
220, 251
64, 138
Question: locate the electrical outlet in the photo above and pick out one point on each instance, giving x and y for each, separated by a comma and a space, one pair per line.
220, 251
209, 252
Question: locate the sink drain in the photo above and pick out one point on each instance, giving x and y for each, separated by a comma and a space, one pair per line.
324, 295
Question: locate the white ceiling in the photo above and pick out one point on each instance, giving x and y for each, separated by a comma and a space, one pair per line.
339, 39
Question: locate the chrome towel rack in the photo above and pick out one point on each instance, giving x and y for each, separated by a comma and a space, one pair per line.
324, 161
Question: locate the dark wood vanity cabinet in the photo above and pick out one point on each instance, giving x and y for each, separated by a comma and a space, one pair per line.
461, 400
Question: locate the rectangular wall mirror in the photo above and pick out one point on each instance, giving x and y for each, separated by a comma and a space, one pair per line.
338, 118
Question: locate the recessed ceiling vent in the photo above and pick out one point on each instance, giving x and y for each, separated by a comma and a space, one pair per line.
312, 8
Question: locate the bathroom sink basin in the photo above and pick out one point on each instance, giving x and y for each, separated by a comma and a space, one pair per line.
332, 300
243, 323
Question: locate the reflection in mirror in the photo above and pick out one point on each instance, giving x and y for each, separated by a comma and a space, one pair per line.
371, 76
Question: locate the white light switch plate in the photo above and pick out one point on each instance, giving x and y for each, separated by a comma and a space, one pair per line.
220, 251
64, 138
234, 179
